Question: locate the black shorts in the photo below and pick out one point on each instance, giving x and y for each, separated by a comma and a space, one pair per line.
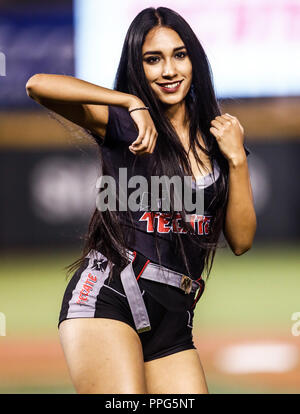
170, 310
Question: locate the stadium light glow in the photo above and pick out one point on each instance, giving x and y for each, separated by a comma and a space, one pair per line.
253, 46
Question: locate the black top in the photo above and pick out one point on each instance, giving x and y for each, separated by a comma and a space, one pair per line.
120, 133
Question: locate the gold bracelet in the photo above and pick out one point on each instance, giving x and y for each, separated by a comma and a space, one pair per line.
137, 109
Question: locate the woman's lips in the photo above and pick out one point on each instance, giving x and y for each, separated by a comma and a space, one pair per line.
171, 88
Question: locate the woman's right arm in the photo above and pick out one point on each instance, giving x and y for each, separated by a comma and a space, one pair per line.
79, 101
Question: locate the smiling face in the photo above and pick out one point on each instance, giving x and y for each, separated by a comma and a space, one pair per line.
167, 65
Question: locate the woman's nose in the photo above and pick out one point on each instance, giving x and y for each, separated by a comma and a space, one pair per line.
169, 69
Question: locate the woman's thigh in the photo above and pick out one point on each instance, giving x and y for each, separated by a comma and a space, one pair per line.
104, 356
179, 373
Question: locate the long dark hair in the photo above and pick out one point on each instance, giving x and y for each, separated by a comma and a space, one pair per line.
202, 107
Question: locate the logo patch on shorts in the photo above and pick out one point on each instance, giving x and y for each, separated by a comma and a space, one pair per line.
100, 264
86, 289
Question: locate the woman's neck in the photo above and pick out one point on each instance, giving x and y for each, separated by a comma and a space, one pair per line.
177, 115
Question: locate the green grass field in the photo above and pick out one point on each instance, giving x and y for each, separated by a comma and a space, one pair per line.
258, 291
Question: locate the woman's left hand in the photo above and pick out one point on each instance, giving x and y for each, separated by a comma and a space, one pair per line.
229, 134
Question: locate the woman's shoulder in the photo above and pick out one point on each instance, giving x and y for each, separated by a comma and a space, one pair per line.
120, 127
118, 112
120, 116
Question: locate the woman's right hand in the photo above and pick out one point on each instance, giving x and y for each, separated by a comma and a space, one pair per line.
146, 140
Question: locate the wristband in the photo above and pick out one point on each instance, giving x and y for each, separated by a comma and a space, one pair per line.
137, 109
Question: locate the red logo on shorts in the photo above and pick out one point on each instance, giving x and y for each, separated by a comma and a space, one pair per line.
86, 289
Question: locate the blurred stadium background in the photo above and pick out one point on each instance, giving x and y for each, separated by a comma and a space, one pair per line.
246, 324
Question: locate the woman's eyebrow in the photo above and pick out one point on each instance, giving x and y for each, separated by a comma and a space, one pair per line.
158, 52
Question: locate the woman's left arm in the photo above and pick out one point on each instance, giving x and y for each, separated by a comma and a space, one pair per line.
240, 218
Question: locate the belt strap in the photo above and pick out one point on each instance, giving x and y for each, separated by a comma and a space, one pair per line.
140, 266
151, 271
135, 299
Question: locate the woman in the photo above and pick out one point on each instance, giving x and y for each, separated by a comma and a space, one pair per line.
126, 318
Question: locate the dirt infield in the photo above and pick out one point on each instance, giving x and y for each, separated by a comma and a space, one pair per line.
41, 362
284, 379
26, 361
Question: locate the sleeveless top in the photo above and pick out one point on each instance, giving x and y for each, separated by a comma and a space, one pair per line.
121, 131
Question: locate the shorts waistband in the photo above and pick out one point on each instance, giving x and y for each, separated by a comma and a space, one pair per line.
161, 274
141, 267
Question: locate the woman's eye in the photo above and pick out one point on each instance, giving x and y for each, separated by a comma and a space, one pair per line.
181, 55
152, 59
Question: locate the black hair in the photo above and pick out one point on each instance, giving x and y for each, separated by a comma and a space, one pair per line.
201, 108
